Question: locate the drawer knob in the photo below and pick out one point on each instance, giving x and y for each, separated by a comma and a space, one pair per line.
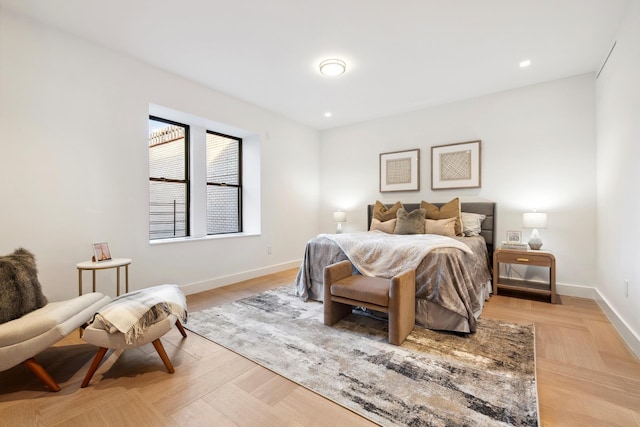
523, 259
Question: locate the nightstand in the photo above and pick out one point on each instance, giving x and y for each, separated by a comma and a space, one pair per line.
536, 258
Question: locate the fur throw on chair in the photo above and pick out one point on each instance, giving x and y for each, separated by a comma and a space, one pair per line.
20, 290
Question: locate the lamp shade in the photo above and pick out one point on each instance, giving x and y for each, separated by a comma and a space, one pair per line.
339, 216
534, 220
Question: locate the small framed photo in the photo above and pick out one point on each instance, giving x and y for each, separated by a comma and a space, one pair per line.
514, 236
400, 171
101, 252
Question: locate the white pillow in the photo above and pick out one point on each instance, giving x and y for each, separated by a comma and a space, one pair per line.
471, 223
386, 226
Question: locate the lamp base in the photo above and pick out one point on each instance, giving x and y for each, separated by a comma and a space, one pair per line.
339, 228
535, 242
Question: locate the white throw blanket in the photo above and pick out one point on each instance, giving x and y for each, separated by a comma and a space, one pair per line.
135, 312
378, 254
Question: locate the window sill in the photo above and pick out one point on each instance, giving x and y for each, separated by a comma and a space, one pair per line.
198, 239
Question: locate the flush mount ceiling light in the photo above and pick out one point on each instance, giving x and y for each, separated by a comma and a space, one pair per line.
525, 63
332, 67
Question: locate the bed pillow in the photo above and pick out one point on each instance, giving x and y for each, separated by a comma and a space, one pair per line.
386, 226
471, 223
443, 227
450, 209
410, 222
20, 290
383, 213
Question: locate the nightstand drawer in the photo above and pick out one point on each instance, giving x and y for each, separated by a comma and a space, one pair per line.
527, 258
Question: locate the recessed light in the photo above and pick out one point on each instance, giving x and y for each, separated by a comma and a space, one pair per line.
327, 114
525, 63
333, 67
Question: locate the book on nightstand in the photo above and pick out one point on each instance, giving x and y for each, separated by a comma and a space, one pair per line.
516, 246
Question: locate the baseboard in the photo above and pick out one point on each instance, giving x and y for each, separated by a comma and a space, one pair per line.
627, 335
576, 291
194, 288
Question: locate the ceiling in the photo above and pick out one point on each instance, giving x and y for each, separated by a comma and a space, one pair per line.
401, 55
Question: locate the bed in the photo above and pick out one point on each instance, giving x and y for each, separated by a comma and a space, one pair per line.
451, 285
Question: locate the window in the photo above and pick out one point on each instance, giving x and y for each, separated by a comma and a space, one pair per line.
196, 178
168, 179
224, 183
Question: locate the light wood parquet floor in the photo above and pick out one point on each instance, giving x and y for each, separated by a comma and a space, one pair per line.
586, 376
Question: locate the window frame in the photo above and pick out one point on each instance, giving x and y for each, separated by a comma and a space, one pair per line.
186, 181
237, 186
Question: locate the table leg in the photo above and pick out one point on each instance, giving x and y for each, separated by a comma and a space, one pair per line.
552, 282
94, 280
118, 281
79, 282
126, 278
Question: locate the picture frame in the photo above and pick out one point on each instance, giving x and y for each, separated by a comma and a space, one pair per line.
400, 171
455, 166
514, 236
101, 252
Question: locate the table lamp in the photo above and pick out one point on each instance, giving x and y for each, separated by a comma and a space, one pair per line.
534, 220
339, 217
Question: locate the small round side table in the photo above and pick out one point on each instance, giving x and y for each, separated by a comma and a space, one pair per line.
104, 265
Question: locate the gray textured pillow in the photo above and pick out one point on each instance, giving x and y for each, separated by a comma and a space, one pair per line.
410, 222
20, 290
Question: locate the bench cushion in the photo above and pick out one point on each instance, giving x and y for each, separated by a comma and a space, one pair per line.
372, 290
52, 316
27, 336
98, 335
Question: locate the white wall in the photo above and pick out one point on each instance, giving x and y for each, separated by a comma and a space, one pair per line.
74, 166
618, 187
538, 151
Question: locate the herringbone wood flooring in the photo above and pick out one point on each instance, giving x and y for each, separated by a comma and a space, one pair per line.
586, 376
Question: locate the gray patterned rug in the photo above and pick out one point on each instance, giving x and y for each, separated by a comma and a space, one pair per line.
433, 379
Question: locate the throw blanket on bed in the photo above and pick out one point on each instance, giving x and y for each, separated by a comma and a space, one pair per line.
375, 253
135, 312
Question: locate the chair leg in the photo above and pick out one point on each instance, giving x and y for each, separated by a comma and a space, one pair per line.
181, 328
94, 366
163, 355
41, 373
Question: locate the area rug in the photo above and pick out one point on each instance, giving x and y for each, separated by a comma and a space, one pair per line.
432, 379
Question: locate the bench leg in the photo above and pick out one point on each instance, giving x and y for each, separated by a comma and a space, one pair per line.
163, 355
402, 306
41, 373
334, 311
181, 328
94, 366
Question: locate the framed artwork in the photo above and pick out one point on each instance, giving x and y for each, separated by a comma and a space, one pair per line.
514, 236
455, 166
400, 171
101, 252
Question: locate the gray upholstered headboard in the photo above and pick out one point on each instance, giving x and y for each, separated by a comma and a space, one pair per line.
488, 227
